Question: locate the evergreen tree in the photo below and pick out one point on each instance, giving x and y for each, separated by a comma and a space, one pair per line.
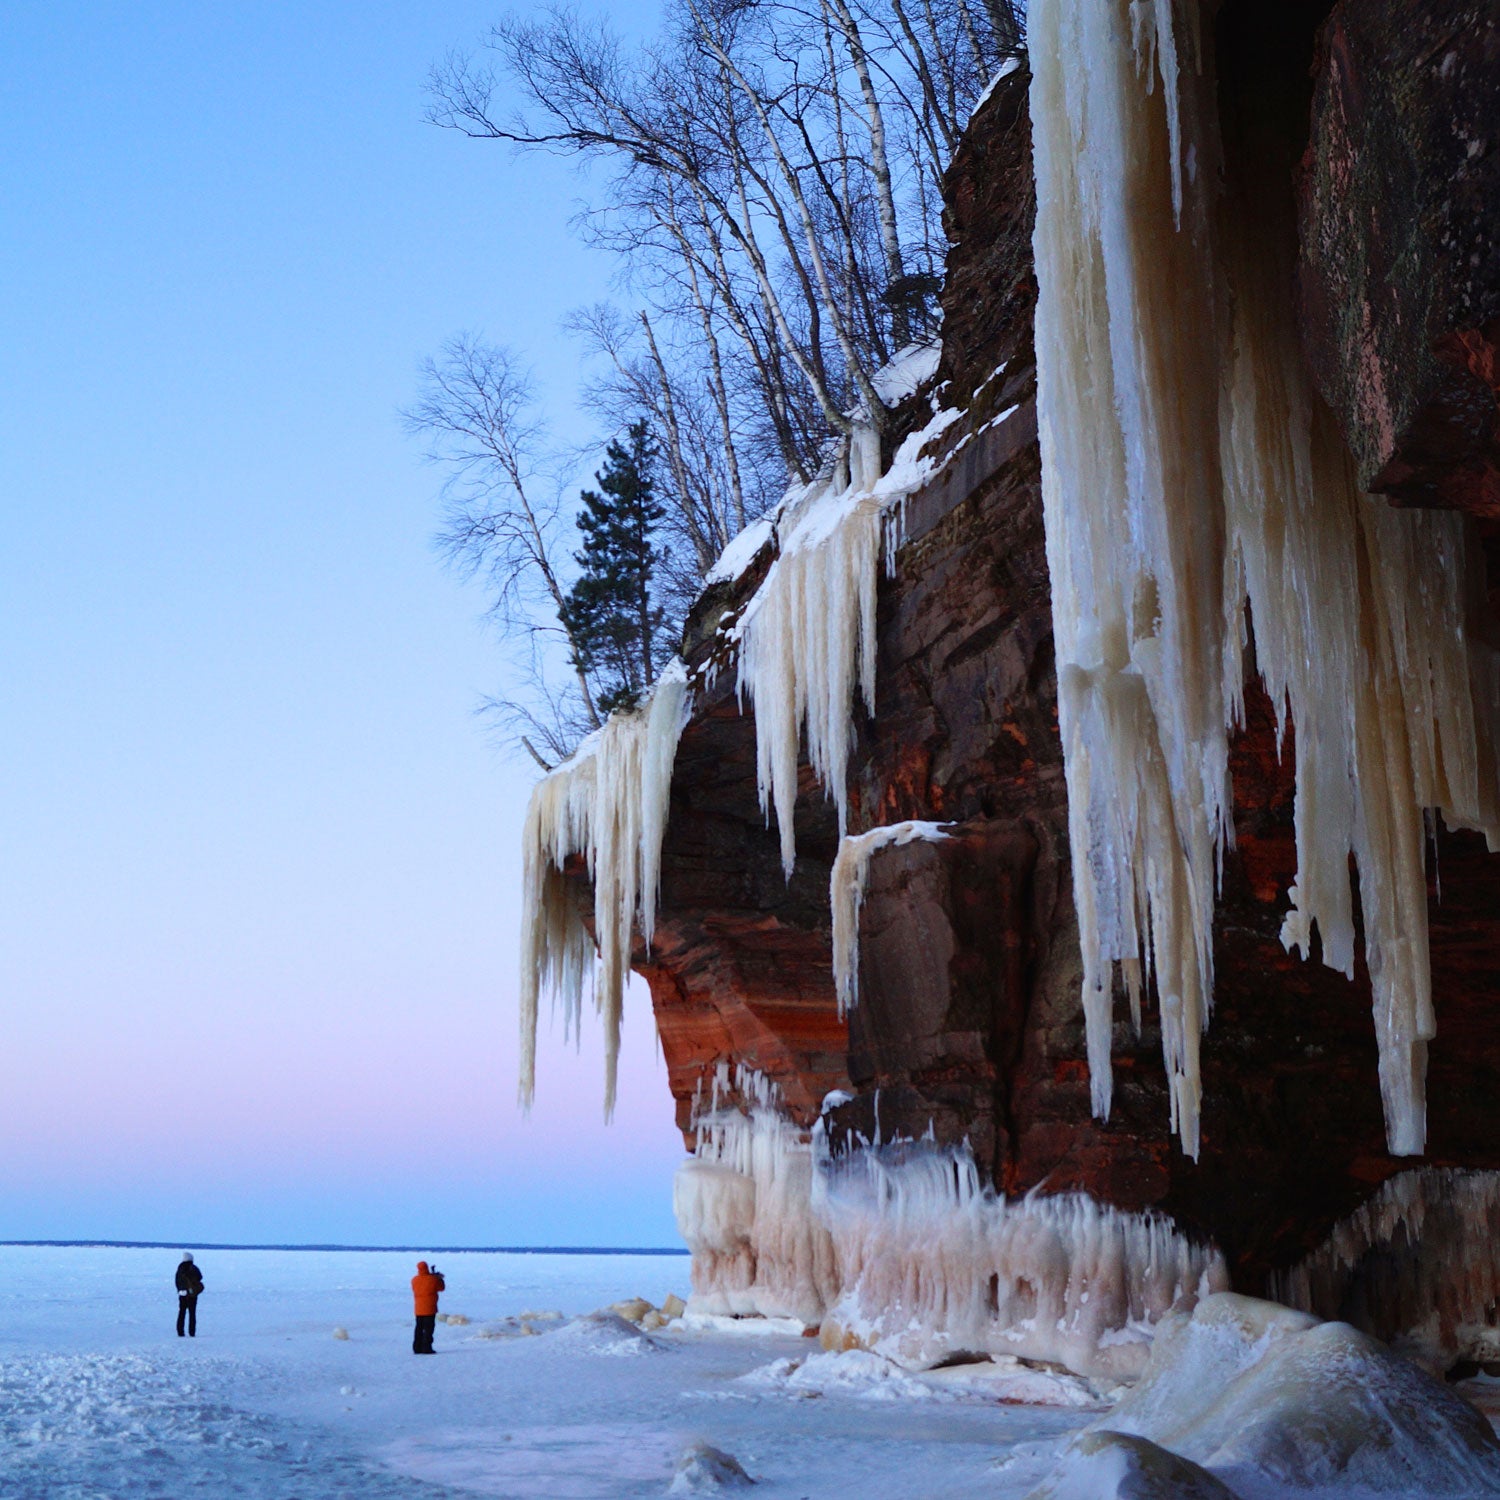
613, 624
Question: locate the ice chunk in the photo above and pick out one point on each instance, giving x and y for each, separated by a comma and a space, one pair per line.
704, 1470
1258, 1392
632, 1309
1105, 1465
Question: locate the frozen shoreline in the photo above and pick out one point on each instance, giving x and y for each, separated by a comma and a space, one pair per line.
99, 1398
100, 1401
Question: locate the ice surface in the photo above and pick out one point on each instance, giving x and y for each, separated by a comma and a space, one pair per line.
1268, 1398
1188, 470
100, 1401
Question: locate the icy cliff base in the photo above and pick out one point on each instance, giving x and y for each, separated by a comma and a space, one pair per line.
899, 1249
1270, 1399
1418, 1263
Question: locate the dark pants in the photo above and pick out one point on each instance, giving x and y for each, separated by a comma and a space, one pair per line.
187, 1307
421, 1342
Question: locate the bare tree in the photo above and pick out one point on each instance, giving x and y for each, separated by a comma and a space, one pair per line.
771, 181
504, 519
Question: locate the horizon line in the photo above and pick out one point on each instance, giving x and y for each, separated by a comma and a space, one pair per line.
100, 1244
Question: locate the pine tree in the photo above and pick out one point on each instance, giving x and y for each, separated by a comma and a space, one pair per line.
613, 624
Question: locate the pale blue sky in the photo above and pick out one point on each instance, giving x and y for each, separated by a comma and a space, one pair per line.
258, 873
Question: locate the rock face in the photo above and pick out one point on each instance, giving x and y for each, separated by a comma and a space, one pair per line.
968, 1024
1400, 272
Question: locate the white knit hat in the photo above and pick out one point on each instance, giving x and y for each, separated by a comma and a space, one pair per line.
187, 1255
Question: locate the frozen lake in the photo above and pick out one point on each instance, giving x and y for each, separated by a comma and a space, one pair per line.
99, 1400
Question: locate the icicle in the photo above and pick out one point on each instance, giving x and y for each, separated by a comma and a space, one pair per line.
846, 893
931, 1263
609, 803
743, 1203
807, 637
901, 1248
1418, 1261
1187, 464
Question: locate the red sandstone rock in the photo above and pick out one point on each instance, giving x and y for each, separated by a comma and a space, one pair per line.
1400, 272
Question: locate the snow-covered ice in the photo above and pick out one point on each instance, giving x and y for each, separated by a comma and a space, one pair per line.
99, 1398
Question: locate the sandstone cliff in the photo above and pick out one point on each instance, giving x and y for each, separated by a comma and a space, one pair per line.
1378, 126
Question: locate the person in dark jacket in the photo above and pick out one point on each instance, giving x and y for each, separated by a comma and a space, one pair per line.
425, 1286
189, 1284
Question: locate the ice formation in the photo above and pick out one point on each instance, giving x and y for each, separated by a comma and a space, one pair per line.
608, 803
898, 1248
743, 1203
1104, 1465
807, 637
1188, 468
1416, 1265
1266, 1397
930, 1264
846, 893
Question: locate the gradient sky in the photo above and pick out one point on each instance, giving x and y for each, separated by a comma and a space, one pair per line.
258, 863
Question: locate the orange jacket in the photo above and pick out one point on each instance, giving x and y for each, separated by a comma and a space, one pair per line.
424, 1290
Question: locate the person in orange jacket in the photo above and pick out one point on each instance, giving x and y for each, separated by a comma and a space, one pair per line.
425, 1286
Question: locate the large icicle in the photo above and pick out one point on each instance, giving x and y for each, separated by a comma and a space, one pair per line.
609, 803
1188, 468
807, 637
846, 893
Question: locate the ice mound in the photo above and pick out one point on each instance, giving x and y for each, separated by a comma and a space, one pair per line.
859, 1373
703, 1470
1015, 1382
750, 1325
1258, 1392
1107, 1465
606, 1333
865, 1375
